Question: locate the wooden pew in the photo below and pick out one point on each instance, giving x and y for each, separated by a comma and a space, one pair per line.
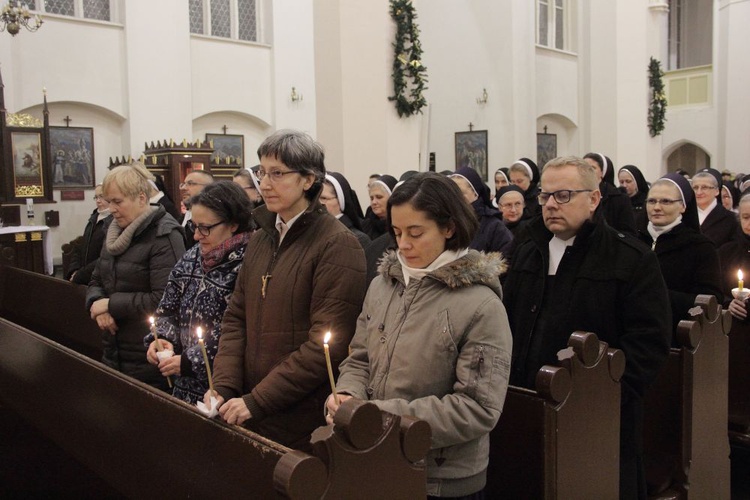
51, 307
685, 443
562, 440
739, 384
136, 438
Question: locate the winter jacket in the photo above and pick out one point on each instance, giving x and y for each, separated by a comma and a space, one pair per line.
720, 226
690, 266
439, 350
82, 263
271, 348
493, 235
195, 298
134, 282
608, 283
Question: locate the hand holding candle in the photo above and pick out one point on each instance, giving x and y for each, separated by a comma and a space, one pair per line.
199, 333
160, 352
330, 368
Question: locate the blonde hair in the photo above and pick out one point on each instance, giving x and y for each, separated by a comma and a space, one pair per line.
586, 172
131, 180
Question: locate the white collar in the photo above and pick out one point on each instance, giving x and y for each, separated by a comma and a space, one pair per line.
557, 248
444, 258
284, 227
702, 214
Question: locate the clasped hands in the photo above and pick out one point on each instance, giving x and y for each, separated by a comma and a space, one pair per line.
100, 313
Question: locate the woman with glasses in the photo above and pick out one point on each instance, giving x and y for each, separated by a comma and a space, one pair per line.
142, 245
303, 275
716, 222
83, 261
688, 260
433, 339
735, 256
199, 287
341, 201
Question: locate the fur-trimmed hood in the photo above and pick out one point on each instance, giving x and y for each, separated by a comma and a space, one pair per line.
474, 268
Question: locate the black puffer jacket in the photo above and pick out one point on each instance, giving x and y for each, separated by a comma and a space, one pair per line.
134, 282
82, 263
493, 235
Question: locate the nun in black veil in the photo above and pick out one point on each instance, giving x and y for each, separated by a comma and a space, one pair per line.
689, 261
342, 202
614, 206
632, 181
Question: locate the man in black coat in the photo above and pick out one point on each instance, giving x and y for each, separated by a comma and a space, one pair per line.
574, 272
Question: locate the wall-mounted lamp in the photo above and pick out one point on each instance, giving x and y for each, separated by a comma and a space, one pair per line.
296, 96
483, 98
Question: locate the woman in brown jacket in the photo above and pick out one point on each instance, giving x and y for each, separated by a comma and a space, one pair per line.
303, 275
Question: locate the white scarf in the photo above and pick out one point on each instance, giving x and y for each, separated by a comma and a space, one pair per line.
102, 214
656, 231
444, 258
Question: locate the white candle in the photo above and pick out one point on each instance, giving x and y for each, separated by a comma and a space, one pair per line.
199, 333
159, 347
740, 283
330, 368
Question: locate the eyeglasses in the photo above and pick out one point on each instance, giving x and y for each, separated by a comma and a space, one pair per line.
517, 204
250, 188
662, 201
704, 188
191, 184
98, 197
274, 175
328, 198
561, 196
206, 230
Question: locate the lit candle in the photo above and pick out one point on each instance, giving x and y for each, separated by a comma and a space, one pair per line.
159, 347
199, 333
330, 368
740, 283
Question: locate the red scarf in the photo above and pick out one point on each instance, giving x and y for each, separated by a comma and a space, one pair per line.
216, 255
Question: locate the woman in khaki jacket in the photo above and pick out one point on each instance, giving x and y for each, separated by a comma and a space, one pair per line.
433, 339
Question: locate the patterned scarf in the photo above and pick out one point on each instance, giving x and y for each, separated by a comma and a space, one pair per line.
216, 255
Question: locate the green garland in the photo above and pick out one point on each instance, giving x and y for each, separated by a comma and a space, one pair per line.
658, 110
407, 61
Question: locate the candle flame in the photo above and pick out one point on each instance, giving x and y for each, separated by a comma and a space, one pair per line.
327, 338
199, 332
739, 275
151, 320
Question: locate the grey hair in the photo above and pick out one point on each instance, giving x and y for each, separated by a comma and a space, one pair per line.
706, 175
298, 151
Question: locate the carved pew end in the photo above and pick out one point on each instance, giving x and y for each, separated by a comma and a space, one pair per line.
299, 475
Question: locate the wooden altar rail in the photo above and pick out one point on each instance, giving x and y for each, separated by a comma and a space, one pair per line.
685, 438
52, 307
562, 440
146, 444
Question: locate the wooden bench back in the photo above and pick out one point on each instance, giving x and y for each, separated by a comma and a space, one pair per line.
562, 440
